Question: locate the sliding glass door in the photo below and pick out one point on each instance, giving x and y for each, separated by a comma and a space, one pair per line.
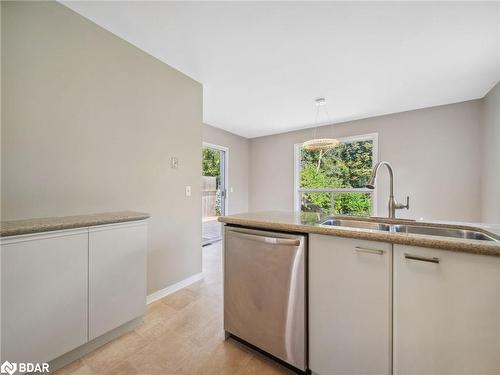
213, 196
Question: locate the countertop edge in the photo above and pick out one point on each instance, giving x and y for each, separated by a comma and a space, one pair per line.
397, 238
44, 225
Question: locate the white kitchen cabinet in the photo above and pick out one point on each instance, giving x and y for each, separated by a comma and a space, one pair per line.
44, 295
350, 302
446, 312
117, 275
61, 289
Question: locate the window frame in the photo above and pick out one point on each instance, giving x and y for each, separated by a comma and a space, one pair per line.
297, 191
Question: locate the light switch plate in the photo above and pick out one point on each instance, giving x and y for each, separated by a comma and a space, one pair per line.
174, 162
188, 191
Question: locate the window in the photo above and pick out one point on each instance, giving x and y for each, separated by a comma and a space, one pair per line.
334, 180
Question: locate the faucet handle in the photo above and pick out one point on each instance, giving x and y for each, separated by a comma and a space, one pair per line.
400, 206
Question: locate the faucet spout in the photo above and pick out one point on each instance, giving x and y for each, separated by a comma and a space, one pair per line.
393, 205
371, 182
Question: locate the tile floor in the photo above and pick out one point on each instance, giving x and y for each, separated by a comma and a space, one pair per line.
182, 334
211, 230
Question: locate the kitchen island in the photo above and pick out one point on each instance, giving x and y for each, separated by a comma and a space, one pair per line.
384, 301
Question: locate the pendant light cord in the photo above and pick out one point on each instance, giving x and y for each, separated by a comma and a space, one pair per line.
315, 128
316, 143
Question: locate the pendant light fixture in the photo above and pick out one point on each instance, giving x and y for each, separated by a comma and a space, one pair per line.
317, 143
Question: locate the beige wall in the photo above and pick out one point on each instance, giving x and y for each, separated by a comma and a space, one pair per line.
491, 157
238, 165
89, 125
435, 153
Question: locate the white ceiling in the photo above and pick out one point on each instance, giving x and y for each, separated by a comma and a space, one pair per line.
262, 64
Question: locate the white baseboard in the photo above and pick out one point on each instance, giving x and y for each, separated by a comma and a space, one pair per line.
173, 288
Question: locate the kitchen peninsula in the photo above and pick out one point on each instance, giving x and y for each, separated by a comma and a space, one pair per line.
383, 295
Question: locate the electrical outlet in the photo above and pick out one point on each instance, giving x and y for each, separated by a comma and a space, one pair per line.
174, 162
188, 191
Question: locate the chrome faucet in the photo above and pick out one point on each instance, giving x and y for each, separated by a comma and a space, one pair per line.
393, 205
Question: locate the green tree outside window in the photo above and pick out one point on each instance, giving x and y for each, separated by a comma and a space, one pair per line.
348, 165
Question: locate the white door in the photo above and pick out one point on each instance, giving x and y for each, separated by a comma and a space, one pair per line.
446, 312
349, 306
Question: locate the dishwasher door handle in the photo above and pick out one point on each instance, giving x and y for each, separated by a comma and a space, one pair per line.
265, 239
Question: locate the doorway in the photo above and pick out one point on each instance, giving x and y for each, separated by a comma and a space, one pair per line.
213, 191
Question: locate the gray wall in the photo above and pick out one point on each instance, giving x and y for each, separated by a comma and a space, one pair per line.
435, 153
238, 165
89, 125
491, 157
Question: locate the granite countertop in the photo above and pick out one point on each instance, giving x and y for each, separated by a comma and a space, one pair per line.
27, 226
310, 223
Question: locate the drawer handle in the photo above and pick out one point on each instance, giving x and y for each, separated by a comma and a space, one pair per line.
367, 250
422, 259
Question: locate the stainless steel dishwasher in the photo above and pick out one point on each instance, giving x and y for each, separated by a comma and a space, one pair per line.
264, 292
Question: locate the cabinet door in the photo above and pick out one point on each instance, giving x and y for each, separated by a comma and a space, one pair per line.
446, 312
117, 275
349, 306
44, 295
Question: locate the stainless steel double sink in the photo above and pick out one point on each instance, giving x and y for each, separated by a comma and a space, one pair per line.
410, 228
